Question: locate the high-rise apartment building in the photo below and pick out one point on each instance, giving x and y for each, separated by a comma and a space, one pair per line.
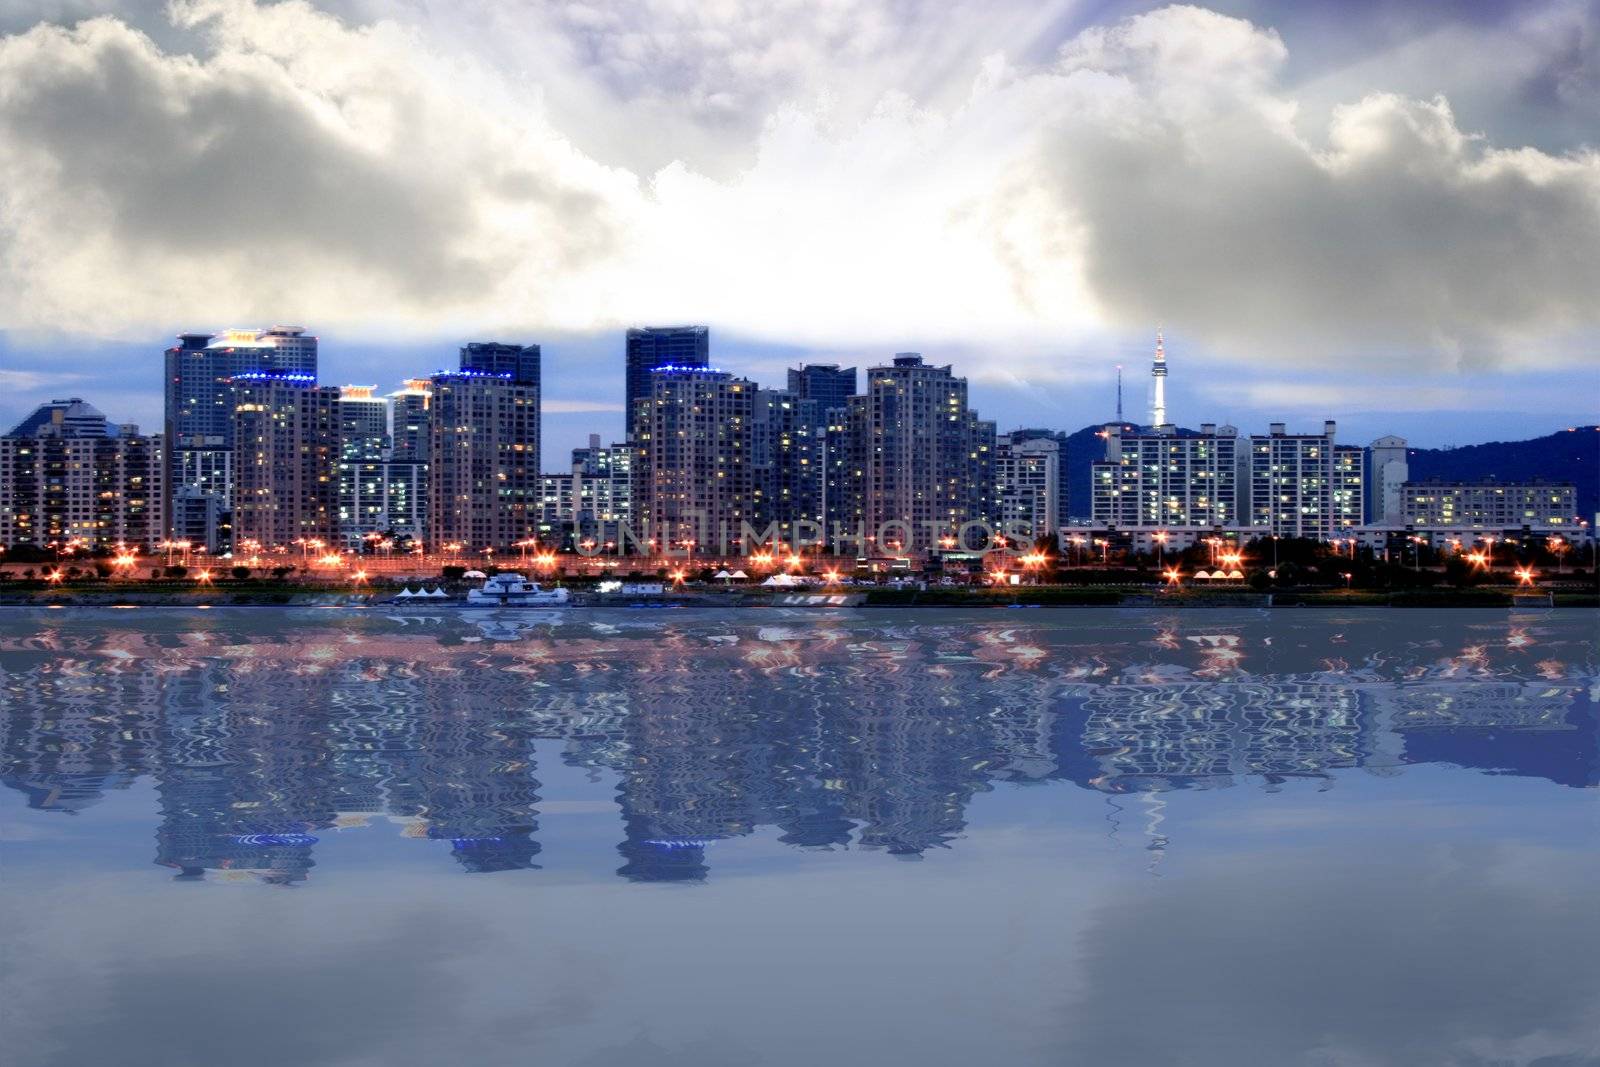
286, 460
199, 422
1158, 478
1292, 483
405, 471
592, 502
829, 385
521, 363
1489, 505
483, 457
1349, 494
409, 410
1063, 474
1388, 469
786, 456
363, 448
693, 469
649, 347
918, 456
67, 474
1027, 476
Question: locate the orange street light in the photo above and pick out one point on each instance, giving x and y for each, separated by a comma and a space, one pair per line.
204, 577
1173, 576
677, 577
55, 576
1525, 575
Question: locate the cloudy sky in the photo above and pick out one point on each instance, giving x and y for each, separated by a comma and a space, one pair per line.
1382, 211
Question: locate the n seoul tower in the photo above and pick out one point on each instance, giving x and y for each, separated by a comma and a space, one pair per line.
1158, 372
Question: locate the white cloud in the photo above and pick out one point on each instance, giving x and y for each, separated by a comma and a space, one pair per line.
854, 173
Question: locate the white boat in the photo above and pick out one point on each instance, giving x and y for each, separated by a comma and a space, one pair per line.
514, 591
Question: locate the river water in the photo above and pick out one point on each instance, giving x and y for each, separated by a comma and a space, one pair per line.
339, 837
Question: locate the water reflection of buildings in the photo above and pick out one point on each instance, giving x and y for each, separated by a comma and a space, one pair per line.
874, 733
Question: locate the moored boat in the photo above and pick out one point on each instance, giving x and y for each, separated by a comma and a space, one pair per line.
515, 591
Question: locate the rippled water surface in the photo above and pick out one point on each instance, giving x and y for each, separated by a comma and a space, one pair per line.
282, 837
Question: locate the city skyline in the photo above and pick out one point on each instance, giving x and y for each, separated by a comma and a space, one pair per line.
1390, 214
599, 363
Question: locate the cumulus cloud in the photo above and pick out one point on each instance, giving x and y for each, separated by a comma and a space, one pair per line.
304, 165
1395, 234
855, 173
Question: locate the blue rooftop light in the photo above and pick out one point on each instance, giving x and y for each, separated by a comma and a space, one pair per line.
675, 368
472, 374
273, 376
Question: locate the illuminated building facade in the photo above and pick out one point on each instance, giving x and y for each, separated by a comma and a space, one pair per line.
1489, 505
1027, 476
649, 347
199, 402
1160, 479
286, 460
483, 458
1292, 484
787, 444
363, 446
919, 457
67, 474
693, 468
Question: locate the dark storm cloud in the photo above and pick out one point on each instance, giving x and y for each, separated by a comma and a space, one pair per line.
1395, 232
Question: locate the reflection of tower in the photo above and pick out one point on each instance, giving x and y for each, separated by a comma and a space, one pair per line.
1158, 374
